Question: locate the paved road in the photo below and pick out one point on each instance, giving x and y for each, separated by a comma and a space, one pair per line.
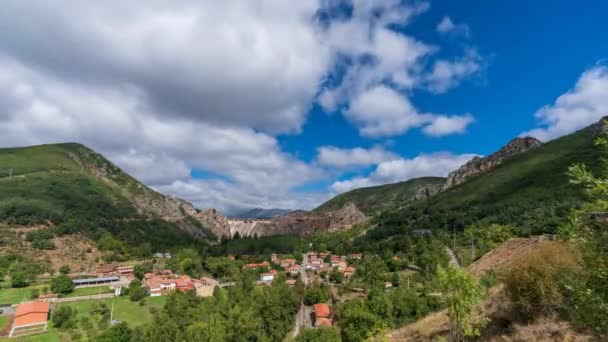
303, 319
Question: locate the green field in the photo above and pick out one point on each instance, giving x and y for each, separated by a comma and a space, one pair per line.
16, 295
89, 291
124, 309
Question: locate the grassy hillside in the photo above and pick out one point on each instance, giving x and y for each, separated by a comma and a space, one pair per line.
72, 189
375, 198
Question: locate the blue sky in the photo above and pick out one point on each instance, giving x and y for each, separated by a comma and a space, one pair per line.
284, 104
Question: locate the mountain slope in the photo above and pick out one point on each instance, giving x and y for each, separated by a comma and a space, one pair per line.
374, 198
530, 190
74, 189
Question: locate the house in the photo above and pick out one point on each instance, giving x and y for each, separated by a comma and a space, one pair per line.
268, 277
290, 282
30, 318
285, 263
322, 315
105, 270
293, 270
356, 256
167, 255
158, 255
50, 297
349, 271
125, 269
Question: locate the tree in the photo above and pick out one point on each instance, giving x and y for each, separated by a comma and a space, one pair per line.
117, 333
462, 294
396, 281
136, 291
358, 322
63, 317
141, 269
19, 279
65, 269
62, 284
319, 335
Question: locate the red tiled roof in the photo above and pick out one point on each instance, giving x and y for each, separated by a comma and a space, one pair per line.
349, 269
32, 313
322, 311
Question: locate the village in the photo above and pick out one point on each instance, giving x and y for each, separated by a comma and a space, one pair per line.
111, 280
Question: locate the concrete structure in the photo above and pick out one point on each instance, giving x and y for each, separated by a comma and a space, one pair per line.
30, 318
95, 281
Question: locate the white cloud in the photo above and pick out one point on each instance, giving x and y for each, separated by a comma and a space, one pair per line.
344, 158
166, 87
446, 25
581, 106
436, 164
448, 74
382, 111
444, 125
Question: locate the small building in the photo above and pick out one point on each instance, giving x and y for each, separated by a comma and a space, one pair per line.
95, 281
290, 282
285, 263
322, 315
355, 256
30, 318
125, 269
348, 272
268, 277
421, 232
105, 270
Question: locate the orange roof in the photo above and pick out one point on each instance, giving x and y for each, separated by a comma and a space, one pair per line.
349, 269
322, 311
32, 313
323, 322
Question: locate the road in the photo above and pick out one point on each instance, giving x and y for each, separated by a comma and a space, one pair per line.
75, 299
303, 316
453, 259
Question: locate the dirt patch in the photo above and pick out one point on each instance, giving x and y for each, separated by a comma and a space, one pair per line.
504, 255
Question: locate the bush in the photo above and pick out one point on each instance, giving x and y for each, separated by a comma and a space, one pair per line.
19, 279
65, 269
535, 281
62, 284
63, 317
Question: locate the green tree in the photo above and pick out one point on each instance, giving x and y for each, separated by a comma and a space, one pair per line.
358, 323
19, 279
63, 317
117, 333
62, 284
65, 269
395, 280
319, 335
140, 269
136, 291
462, 294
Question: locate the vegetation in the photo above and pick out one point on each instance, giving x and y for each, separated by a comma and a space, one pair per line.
375, 198
462, 294
62, 285
58, 186
317, 335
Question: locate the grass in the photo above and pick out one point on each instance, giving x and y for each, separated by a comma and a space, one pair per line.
17, 295
89, 291
124, 310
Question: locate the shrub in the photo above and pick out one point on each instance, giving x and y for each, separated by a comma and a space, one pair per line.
62, 284
19, 279
535, 280
63, 317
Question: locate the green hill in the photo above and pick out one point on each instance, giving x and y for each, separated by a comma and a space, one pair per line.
73, 189
371, 199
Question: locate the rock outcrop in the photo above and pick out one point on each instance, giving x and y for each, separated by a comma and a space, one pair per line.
426, 191
480, 165
299, 222
600, 128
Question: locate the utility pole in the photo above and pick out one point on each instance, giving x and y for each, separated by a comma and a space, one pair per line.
112, 313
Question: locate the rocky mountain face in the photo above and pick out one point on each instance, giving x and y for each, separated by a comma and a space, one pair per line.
299, 222
479, 165
600, 128
425, 191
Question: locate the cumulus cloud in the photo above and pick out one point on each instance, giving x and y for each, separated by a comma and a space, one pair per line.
436, 164
581, 106
446, 26
165, 87
444, 125
344, 158
382, 111
447, 74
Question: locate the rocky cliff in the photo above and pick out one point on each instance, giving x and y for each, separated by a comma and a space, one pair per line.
425, 191
299, 222
479, 165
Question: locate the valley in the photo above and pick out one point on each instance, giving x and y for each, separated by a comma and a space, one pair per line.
115, 260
